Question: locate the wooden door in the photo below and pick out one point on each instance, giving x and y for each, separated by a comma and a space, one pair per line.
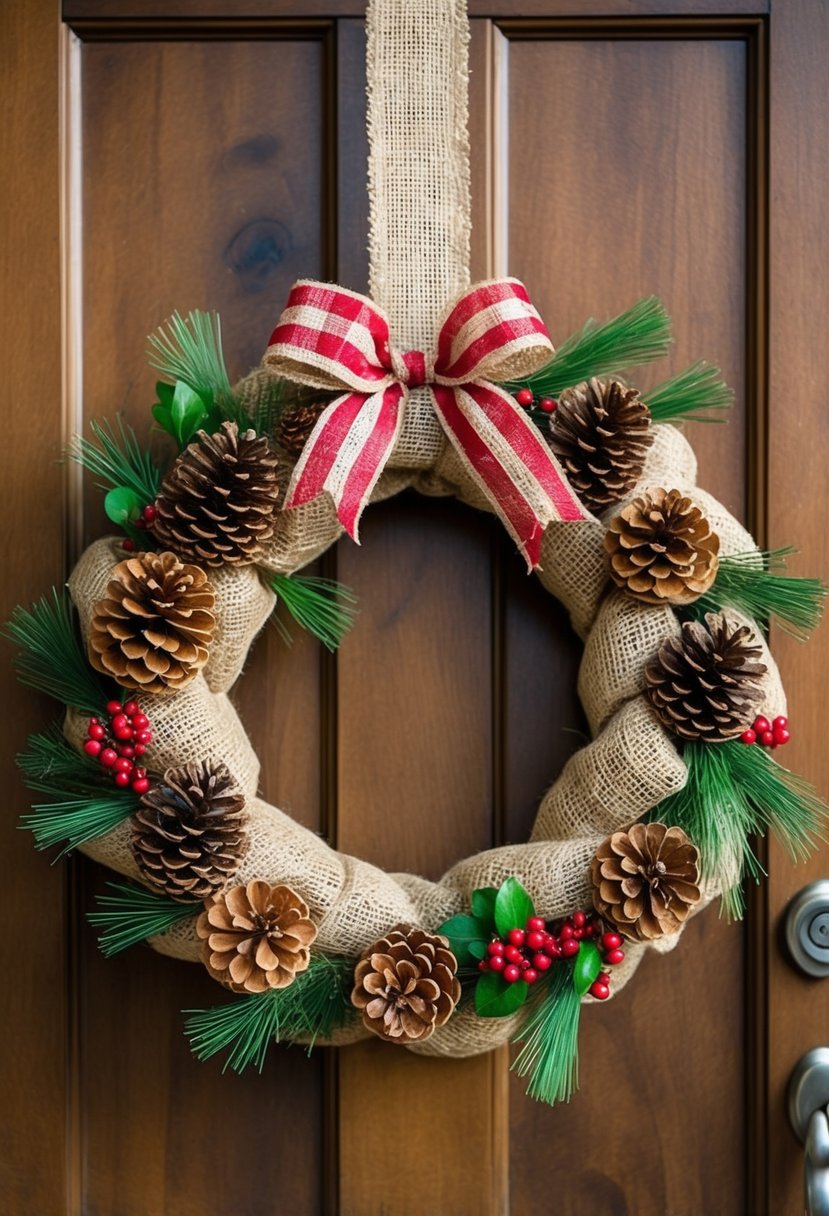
204, 153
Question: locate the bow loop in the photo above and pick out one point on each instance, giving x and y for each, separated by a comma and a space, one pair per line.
491, 332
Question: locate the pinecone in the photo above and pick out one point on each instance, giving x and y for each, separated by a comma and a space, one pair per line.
152, 629
188, 835
601, 432
296, 423
707, 684
256, 937
645, 880
662, 549
218, 503
406, 984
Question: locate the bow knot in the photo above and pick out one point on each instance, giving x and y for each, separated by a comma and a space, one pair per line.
334, 339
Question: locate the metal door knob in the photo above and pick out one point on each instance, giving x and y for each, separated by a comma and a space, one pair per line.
807, 929
808, 1103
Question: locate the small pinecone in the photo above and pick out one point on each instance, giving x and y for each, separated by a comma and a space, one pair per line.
256, 937
601, 432
152, 629
662, 549
188, 835
645, 880
296, 424
707, 683
218, 503
406, 984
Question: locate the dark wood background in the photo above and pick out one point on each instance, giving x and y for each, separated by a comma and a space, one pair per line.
204, 153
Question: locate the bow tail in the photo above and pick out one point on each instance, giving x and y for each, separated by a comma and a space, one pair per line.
346, 452
509, 461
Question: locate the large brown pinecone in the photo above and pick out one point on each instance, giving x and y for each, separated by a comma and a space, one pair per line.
152, 629
296, 423
661, 549
707, 684
406, 984
645, 880
218, 503
188, 834
256, 937
601, 432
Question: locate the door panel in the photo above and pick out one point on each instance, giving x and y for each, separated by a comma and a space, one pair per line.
220, 154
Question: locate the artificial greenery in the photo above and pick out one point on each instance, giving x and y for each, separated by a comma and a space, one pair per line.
189, 350
758, 585
549, 1054
51, 765
71, 820
324, 607
132, 914
698, 394
125, 471
312, 1006
51, 658
638, 335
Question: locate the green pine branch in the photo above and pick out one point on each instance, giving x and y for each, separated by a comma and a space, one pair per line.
638, 335
757, 584
326, 608
52, 659
71, 821
550, 1055
190, 349
132, 914
697, 394
50, 765
311, 1007
117, 460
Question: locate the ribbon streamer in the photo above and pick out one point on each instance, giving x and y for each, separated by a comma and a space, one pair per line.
338, 340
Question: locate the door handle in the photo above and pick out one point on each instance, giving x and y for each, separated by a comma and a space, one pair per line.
809, 1117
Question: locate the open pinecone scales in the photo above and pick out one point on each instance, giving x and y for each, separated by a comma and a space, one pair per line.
218, 503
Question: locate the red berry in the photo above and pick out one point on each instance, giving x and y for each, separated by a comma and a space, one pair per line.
578, 934
748, 736
535, 939
125, 749
123, 765
108, 757
495, 961
92, 747
139, 523
780, 723
552, 949
767, 738
614, 956
149, 513
589, 930
122, 779
517, 936
128, 545
542, 962
569, 947
483, 965
530, 975
493, 947
140, 721
139, 772
123, 732
512, 954
511, 973
119, 720
565, 931
536, 922
611, 941
547, 405
143, 736
113, 707
131, 709
760, 724
781, 735
603, 977
600, 991
96, 731
579, 920
139, 749
524, 397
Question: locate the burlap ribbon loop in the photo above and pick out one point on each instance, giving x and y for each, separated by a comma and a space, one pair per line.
330, 338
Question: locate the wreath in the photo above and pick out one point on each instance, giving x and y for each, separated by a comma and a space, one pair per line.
150, 770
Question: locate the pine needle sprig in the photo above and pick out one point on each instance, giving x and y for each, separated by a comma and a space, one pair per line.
71, 821
638, 335
52, 659
51, 765
758, 585
698, 394
779, 800
311, 1007
190, 349
132, 914
550, 1054
117, 459
326, 608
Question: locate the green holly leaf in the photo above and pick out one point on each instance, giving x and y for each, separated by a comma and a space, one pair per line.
483, 904
165, 393
162, 416
122, 505
187, 412
587, 966
495, 998
478, 949
513, 907
464, 932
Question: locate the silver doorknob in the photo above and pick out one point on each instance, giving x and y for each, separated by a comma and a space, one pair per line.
807, 929
809, 1117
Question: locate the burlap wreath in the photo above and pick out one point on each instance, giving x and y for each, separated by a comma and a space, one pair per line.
630, 765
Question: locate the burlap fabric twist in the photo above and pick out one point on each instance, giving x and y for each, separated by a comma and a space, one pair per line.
419, 245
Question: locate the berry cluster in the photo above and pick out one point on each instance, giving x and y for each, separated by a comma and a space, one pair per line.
144, 520
767, 734
120, 743
525, 398
524, 954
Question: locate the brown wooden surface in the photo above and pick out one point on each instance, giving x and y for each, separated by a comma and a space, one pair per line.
214, 173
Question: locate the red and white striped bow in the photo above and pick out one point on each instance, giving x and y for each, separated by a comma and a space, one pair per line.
330, 338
